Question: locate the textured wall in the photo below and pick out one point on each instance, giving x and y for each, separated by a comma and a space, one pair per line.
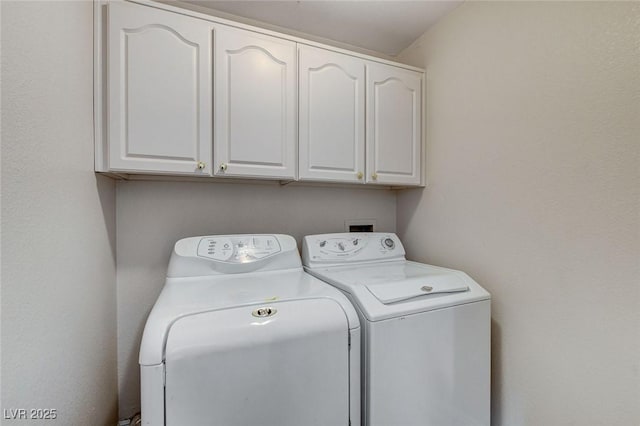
534, 189
58, 221
152, 216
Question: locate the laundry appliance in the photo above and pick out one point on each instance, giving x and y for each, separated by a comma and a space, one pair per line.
241, 335
426, 331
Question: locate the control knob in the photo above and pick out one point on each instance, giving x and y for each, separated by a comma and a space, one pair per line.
389, 243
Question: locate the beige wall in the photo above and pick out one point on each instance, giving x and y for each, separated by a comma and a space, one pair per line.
58, 222
152, 216
534, 189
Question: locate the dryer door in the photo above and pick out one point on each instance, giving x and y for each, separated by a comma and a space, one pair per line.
287, 366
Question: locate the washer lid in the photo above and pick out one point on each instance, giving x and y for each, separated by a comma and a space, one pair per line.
392, 289
396, 291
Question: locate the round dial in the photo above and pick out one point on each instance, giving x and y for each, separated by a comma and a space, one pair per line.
388, 243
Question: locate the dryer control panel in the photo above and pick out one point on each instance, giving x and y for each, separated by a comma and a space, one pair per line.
238, 249
348, 248
232, 254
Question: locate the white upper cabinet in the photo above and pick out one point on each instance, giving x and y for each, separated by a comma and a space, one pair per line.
255, 105
182, 93
331, 116
160, 91
394, 125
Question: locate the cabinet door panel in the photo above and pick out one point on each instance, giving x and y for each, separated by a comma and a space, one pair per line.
159, 91
331, 116
255, 105
394, 125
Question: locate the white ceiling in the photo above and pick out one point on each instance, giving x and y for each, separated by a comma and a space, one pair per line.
387, 27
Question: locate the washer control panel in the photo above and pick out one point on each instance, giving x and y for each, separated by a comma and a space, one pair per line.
341, 246
351, 247
238, 249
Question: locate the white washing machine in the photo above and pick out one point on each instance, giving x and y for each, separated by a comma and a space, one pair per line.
241, 335
426, 331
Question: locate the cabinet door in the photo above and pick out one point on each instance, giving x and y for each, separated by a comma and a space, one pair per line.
160, 96
331, 114
394, 125
255, 109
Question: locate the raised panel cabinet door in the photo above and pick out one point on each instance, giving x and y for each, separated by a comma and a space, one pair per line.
160, 91
255, 105
331, 116
394, 125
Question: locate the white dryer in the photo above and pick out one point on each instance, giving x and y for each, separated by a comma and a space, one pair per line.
241, 335
426, 331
